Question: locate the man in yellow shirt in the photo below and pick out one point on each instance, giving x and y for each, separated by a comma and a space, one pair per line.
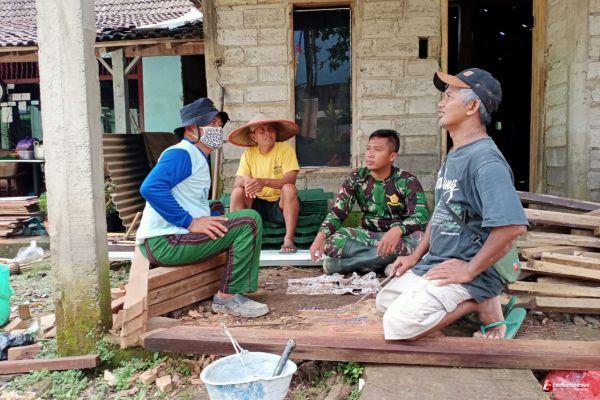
266, 178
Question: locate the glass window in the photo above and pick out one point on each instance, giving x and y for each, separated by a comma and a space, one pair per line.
323, 86
20, 119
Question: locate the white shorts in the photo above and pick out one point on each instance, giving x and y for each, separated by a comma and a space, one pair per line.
412, 305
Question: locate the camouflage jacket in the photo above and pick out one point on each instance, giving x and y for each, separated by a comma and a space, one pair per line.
398, 200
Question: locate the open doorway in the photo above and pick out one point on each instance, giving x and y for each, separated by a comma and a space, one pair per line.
496, 35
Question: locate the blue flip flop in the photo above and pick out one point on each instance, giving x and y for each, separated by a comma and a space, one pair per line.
508, 307
513, 322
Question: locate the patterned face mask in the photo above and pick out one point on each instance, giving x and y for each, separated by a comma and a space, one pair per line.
213, 137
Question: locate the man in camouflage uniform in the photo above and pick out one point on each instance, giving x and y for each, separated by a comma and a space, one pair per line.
394, 213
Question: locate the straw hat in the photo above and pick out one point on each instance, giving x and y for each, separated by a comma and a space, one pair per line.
285, 130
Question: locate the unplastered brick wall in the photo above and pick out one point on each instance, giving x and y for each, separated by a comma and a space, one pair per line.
251, 57
593, 87
556, 98
394, 85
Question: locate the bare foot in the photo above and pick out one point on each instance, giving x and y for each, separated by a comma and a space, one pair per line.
490, 311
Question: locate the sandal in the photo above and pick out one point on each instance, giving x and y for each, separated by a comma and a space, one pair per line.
472, 318
513, 322
288, 249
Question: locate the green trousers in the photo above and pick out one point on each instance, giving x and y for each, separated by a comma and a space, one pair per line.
241, 243
336, 242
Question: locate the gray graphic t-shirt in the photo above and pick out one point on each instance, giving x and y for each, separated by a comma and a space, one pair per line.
477, 184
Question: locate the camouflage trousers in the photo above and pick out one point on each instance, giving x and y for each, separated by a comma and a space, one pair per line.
335, 243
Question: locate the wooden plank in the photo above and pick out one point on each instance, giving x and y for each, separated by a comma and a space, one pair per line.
582, 232
575, 261
538, 73
557, 202
24, 352
568, 305
185, 299
566, 281
117, 304
135, 303
523, 300
369, 347
51, 364
175, 289
24, 312
133, 325
562, 219
132, 339
544, 238
536, 252
546, 268
558, 290
162, 323
586, 254
162, 276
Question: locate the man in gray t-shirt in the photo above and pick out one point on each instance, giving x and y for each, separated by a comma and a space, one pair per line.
448, 275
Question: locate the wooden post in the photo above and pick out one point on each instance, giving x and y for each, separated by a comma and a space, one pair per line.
120, 92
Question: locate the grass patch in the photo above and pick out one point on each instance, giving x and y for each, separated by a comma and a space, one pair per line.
59, 385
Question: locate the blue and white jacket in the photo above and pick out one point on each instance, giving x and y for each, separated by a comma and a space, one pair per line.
176, 190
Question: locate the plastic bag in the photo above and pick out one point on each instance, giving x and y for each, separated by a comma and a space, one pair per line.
7, 341
27, 254
573, 385
25, 144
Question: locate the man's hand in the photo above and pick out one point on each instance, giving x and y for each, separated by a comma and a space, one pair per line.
450, 271
403, 264
253, 186
389, 242
317, 246
210, 226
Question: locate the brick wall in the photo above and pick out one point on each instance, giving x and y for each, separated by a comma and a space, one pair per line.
593, 88
556, 99
251, 57
394, 87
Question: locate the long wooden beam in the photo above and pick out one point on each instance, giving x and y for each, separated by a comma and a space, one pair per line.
51, 364
558, 202
370, 347
544, 239
562, 219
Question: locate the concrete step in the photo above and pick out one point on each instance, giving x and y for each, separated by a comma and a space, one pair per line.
399, 382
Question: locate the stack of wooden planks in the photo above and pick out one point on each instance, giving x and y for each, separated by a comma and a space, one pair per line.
14, 211
157, 291
561, 253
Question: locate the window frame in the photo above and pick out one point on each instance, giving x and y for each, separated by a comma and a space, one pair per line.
316, 5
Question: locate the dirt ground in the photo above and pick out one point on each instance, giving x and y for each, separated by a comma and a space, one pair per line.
314, 379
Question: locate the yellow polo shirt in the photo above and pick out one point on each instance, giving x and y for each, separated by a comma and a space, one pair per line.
273, 165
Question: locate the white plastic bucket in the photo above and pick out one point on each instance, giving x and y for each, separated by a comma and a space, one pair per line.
229, 379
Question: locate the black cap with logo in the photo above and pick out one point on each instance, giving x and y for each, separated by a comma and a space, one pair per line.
485, 86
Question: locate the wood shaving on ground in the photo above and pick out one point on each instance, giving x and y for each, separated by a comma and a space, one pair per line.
335, 284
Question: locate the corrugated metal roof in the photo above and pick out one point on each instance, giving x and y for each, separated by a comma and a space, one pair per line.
115, 20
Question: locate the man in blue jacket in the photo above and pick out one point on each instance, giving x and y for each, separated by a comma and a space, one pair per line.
177, 227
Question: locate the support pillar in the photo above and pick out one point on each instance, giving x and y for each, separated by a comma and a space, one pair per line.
70, 100
120, 92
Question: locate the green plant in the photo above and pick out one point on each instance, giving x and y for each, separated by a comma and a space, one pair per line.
62, 385
104, 351
355, 395
43, 203
48, 349
109, 188
131, 367
352, 372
